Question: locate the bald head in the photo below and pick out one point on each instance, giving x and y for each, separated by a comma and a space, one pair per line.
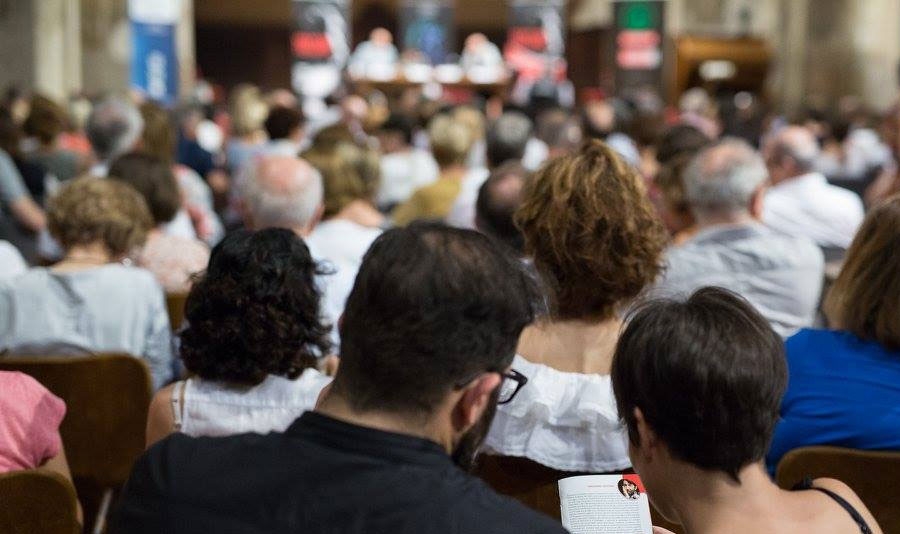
283, 192
498, 200
724, 181
791, 152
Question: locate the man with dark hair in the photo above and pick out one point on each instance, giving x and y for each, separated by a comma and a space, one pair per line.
428, 337
498, 199
698, 383
285, 128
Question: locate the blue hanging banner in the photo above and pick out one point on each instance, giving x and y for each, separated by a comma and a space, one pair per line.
154, 58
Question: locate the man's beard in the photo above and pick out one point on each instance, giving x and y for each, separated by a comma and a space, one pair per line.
469, 445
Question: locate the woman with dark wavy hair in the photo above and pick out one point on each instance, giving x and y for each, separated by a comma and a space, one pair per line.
253, 339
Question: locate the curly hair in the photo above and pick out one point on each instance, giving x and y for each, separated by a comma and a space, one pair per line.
255, 311
88, 210
592, 232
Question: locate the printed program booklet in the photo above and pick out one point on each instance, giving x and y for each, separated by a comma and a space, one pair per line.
605, 504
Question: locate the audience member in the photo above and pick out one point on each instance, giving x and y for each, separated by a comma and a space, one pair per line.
189, 150
284, 127
197, 204
21, 218
597, 244
171, 258
114, 128
451, 142
350, 221
29, 426
506, 141
248, 114
45, 124
560, 131
498, 200
12, 263
845, 383
801, 202
698, 383
34, 176
251, 344
674, 151
412, 399
404, 168
90, 302
781, 275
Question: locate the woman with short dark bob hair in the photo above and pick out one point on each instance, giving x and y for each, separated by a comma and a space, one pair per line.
253, 340
698, 383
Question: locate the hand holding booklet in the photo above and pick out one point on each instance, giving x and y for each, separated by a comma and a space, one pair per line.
605, 504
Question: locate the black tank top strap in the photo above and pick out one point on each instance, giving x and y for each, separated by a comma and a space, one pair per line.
807, 484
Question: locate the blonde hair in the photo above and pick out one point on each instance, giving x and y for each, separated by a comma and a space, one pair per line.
450, 140
348, 172
88, 210
248, 110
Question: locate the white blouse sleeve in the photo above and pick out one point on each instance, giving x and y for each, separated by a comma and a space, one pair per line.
567, 421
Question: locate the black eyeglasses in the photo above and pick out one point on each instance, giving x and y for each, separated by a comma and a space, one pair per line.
509, 387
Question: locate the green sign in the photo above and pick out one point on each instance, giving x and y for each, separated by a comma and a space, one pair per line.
637, 16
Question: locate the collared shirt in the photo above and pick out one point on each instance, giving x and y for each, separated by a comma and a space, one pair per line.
320, 476
808, 206
780, 275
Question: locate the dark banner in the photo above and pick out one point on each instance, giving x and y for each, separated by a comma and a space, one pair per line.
535, 44
427, 26
320, 44
639, 29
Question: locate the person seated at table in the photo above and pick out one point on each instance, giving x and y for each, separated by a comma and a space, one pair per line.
698, 383
252, 341
92, 300
845, 382
378, 52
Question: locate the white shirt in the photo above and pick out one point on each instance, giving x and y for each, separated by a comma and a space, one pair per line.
536, 153
11, 261
342, 241
402, 173
462, 214
335, 285
808, 206
566, 421
211, 408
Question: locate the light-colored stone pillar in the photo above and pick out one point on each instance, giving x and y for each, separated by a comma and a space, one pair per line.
57, 47
791, 54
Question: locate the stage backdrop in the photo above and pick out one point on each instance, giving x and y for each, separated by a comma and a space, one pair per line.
320, 46
427, 26
154, 59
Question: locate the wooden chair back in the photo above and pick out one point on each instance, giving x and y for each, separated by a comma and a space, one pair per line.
535, 485
107, 398
37, 500
175, 303
873, 475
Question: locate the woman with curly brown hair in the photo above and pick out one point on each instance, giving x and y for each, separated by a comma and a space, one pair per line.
92, 300
253, 339
596, 242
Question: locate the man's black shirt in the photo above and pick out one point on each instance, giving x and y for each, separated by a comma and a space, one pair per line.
320, 476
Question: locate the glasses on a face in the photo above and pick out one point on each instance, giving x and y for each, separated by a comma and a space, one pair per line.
512, 382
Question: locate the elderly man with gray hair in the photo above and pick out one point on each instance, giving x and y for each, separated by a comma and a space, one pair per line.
801, 202
287, 192
780, 275
113, 128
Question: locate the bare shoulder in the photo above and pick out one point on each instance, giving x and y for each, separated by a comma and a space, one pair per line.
844, 491
160, 420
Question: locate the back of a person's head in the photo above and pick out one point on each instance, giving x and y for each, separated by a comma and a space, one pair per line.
560, 129
592, 232
678, 140
248, 110
865, 298
90, 210
282, 122
507, 138
450, 140
254, 312
794, 143
10, 134
46, 119
498, 200
400, 125
432, 307
113, 128
723, 178
158, 137
707, 374
152, 177
282, 192
349, 172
